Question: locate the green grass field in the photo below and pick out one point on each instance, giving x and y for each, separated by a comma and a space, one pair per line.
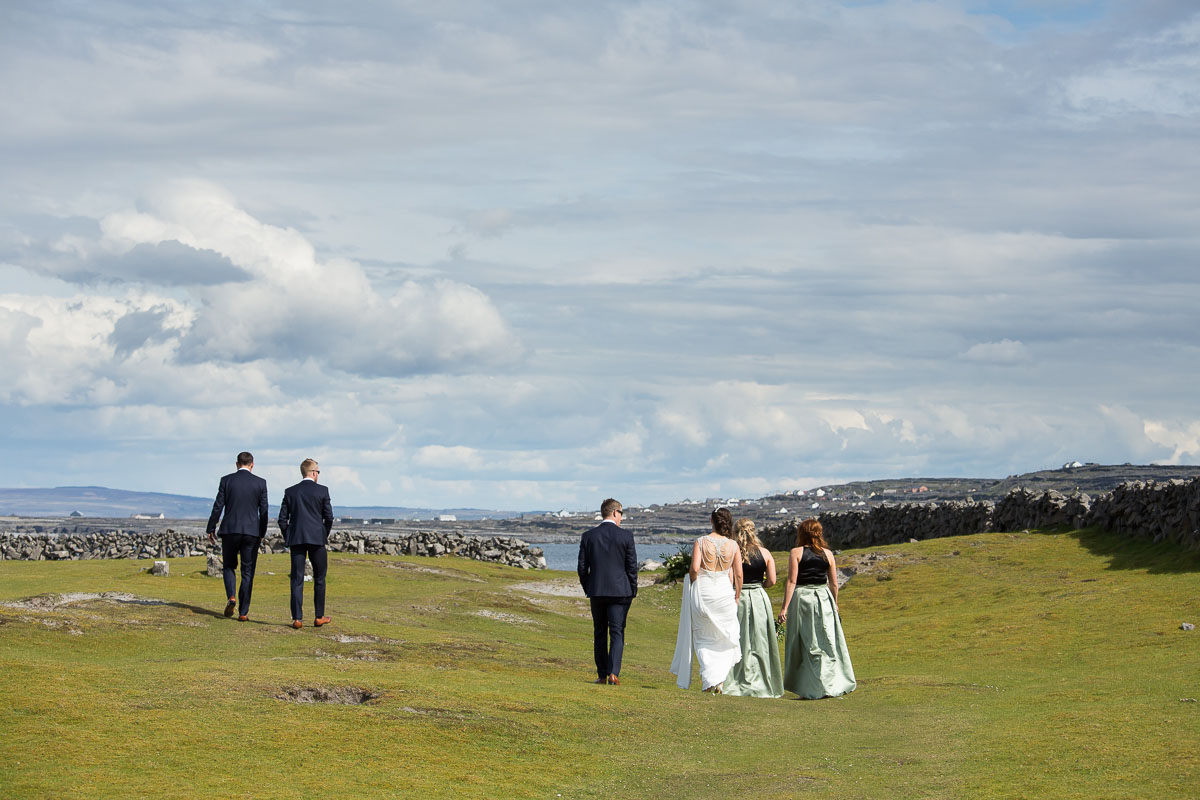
997, 665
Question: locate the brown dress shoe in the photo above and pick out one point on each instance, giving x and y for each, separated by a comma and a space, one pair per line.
601, 681
230, 606
297, 624
243, 617
319, 621
613, 680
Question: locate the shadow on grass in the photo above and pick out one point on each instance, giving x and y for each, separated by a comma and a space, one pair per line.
1132, 552
201, 610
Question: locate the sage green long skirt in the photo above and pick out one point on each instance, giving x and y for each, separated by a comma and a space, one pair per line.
758, 673
816, 661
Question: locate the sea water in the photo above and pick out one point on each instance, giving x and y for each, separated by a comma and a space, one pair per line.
565, 555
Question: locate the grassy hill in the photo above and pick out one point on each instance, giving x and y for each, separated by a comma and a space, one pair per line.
990, 666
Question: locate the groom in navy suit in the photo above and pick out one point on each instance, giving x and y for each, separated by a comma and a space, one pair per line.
608, 572
242, 497
306, 517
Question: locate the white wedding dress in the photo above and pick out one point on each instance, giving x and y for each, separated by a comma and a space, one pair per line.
708, 621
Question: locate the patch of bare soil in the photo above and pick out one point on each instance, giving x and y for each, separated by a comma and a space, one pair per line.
503, 616
363, 638
53, 602
564, 587
338, 695
444, 713
357, 655
449, 573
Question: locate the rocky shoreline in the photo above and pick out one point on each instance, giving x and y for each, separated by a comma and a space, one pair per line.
1161, 511
33, 542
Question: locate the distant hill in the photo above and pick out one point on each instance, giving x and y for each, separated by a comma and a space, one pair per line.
1092, 479
100, 501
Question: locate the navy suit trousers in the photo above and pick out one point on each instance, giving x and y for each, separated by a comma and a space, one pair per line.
235, 546
608, 632
319, 557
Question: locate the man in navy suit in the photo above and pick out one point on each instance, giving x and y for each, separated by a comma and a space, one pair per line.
306, 517
608, 572
242, 497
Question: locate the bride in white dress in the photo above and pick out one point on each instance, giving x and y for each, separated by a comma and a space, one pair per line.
708, 621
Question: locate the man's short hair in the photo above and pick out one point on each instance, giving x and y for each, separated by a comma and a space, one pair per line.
306, 466
609, 507
245, 459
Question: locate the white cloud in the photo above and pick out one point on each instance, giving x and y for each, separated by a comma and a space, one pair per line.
442, 457
259, 291
1005, 351
1155, 73
1182, 439
643, 249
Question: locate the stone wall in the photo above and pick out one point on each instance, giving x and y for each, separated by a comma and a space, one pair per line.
51, 545
1167, 511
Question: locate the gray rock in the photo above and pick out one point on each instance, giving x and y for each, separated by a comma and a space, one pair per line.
215, 569
649, 565
1187, 626
161, 568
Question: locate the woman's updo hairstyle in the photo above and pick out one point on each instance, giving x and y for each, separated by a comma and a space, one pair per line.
722, 521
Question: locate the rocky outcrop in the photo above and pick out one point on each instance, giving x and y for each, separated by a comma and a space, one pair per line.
889, 524
1167, 511
55, 546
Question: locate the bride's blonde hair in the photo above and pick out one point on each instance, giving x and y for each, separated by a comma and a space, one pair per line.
746, 538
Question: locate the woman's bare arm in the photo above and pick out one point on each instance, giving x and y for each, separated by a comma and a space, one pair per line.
694, 569
793, 574
770, 578
737, 572
833, 587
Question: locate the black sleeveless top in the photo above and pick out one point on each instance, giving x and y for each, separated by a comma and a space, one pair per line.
814, 569
754, 570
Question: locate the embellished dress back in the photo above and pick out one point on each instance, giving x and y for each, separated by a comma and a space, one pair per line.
708, 619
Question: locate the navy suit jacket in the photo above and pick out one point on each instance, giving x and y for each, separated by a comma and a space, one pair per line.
305, 515
243, 497
608, 562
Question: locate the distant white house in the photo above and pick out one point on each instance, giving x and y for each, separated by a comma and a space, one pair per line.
447, 518
1072, 465
815, 506
147, 515
781, 511
820, 493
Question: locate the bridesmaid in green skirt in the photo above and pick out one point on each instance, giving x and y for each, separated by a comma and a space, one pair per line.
816, 661
758, 673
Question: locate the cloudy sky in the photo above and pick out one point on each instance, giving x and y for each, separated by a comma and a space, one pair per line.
528, 255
